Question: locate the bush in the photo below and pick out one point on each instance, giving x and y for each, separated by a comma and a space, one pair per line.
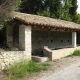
23, 68
33, 67
75, 53
45, 66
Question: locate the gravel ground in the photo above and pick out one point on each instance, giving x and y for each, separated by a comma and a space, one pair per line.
56, 66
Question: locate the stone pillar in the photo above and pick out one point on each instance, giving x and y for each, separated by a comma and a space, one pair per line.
9, 35
28, 43
22, 37
73, 39
25, 39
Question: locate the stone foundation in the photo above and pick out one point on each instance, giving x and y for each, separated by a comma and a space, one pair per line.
7, 58
57, 54
39, 59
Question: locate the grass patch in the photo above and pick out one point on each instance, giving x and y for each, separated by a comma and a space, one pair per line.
21, 69
45, 66
33, 67
55, 60
75, 53
69, 56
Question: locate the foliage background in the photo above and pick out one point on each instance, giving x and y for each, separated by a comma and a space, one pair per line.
60, 9
6, 8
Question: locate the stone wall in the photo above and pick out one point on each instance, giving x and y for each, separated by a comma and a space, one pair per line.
50, 38
9, 35
24, 45
16, 36
22, 37
57, 54
7, 58
25, 39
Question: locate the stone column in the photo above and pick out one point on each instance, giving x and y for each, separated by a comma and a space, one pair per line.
25, 39
74, 39
9, 35
28, 38
22, 37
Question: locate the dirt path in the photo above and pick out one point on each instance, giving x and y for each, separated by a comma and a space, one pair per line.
68, 73
57, 65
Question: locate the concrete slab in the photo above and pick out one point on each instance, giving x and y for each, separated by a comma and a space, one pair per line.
39, 59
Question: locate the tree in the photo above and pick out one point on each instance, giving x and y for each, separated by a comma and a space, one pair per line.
60, 9
53, 8
6, 8
66, 7
31, 6
77, 18
73, 9
49, 8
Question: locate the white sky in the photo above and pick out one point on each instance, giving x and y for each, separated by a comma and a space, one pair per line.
78, 2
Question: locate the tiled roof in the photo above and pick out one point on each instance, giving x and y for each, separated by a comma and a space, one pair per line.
46, 21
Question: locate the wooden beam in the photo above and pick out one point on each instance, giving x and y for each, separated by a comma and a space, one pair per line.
51, 28
40, 28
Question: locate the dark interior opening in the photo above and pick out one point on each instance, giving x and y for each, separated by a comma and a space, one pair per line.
38, 52
3, 38
78, 38
16, 36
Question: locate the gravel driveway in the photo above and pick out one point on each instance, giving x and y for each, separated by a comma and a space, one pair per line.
63, 69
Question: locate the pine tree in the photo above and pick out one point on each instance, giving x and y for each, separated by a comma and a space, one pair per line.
52, 8
60, 9
66, 7
73, 9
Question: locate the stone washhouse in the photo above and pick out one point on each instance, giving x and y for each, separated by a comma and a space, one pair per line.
38, 38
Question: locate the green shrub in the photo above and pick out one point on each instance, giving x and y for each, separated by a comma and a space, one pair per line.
18, 70
33, 67
45, 66
23, 68
75, 53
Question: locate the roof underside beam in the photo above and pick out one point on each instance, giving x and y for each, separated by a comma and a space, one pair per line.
54, 28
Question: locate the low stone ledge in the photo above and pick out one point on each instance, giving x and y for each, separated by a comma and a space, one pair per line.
57, 54
9, 57
39, 59
47, 52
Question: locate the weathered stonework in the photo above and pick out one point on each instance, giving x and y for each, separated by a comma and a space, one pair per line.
74, 39
22, 37
30, 40
52, 39
9, 35
25, 39
57, 54
9, 57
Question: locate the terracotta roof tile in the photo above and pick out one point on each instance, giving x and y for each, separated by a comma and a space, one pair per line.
46, 21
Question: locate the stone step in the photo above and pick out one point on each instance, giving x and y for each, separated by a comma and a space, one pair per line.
39, 59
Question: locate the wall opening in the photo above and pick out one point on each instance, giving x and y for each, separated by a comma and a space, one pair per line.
51, 39
3, 45
78, 38
16, 36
